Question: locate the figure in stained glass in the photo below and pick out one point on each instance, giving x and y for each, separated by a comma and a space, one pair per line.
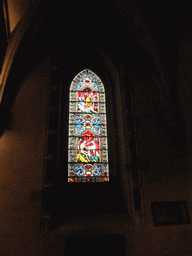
87, 101
82, 153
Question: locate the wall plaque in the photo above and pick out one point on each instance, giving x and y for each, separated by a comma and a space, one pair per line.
170, 213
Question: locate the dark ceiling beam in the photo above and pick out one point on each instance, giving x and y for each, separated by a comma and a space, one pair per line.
6, 18
4, 37
130, 15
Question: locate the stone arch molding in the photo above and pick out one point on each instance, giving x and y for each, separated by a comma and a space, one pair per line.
14, 43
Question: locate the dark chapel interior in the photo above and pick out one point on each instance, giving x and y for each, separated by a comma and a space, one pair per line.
142, 52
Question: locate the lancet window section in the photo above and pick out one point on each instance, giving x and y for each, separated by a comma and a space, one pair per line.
87, 144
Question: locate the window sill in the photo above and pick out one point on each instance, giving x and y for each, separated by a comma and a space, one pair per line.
102, 223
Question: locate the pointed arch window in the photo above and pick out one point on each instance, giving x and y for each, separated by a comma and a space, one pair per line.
87, 142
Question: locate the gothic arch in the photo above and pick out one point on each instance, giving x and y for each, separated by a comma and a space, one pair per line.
117, 190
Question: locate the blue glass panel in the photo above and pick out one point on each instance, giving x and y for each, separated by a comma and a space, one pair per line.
88, 169
79, 129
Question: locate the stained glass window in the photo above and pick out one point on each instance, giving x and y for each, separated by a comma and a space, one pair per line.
87, 145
